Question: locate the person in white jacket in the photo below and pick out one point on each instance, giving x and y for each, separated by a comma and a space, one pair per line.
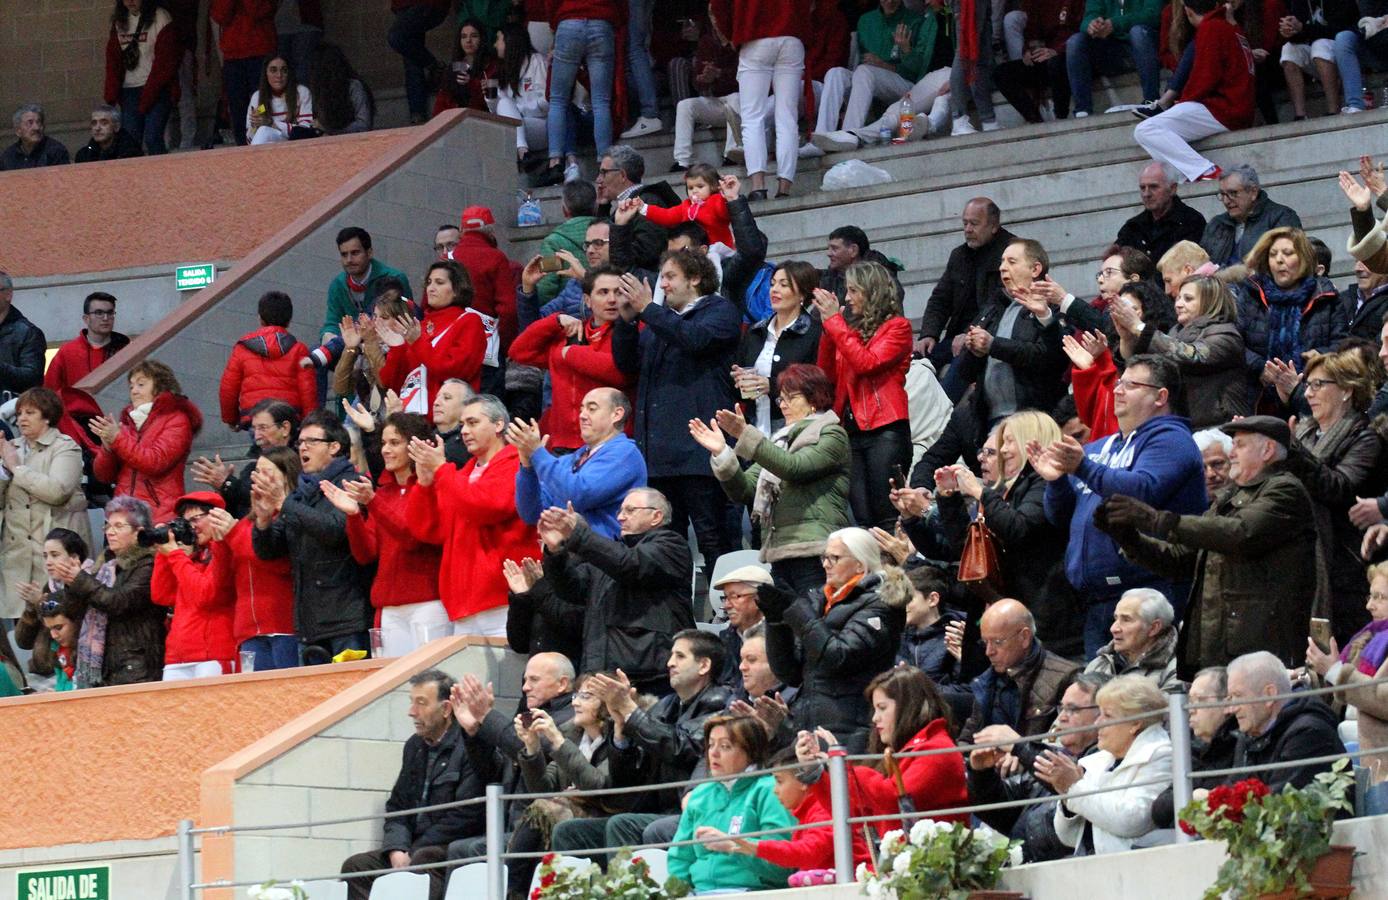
522, 82
1130, 755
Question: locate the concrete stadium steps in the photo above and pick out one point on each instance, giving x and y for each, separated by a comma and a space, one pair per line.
1072, 191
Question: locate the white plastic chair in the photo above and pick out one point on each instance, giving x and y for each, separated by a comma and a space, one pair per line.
563, 862
469, 882
326, 890
401, 886
658, 860
722, 566
711, 627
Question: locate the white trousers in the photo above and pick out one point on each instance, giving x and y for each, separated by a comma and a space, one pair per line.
925, 98
1166, 137
774, 67
871, 83
487, 623
711, 111
189, 671
408, 627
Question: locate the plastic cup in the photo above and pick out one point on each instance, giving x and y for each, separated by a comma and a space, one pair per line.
377, 643
247, 660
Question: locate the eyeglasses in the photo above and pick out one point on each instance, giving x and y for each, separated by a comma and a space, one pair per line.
987, 453
118, 526
995, 643
1231, 195
739, 595
310, 441
102, 314
198, 517
602, 172
1127, 384
1107, 273
445, 246
1317, 384
830, 559
1069, 709
595, 243
1217, 465
785, 399
628, 510
585, 695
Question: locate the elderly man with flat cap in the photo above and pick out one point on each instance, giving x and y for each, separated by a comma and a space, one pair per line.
1251, 558
739, 589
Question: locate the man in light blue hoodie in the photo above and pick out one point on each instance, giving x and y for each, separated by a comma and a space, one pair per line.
595, 478
1152, 457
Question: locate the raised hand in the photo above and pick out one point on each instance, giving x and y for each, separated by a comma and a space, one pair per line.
1374, 540
105, 429
626, 210
427, 457
222, 522
361, 490
827, 304
1043, 464
911, 502
574, 269
392, 403
730, 187
211, 472
1359, 196
1373, 175
359, 414
389, 331
636, 293
526, 437
896, 546
968, 482
339, 498
1080, 357
732, 421
518, 577
708, 436
351, 335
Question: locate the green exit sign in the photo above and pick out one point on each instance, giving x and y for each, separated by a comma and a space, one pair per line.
90, 883
194, 278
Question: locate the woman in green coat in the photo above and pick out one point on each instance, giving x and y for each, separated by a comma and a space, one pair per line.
720, 809
797, 485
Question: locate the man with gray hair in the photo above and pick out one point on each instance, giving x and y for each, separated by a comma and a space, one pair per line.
1144, 640
1215, 447
619, 178
1248, 214
1278, 730
32, 148
1251, 558
22, 346
109, 140
1165, 219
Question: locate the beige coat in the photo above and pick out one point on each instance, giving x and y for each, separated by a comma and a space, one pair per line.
43, 493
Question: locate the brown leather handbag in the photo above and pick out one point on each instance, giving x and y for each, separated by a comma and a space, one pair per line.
978, 564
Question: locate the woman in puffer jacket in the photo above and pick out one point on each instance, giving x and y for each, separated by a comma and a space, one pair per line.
143, 452
830, 643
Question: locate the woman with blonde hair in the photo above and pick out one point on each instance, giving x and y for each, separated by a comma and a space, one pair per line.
1336, 455
1031, 550
867, 361
1206, 345
1285, 309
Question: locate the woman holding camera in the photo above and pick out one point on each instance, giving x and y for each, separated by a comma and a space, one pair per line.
133, 649
143, 452
43, 491
200, 642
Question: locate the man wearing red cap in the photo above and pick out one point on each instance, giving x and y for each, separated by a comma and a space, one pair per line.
493, 284
200, 641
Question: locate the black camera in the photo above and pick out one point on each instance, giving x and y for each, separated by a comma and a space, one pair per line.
180, 528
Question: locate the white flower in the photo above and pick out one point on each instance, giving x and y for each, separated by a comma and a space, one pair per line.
902, 862
922, 831
875, 890
892, 840
1014, 856
860, 873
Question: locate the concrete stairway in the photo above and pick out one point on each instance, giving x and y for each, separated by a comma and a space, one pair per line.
1069, 184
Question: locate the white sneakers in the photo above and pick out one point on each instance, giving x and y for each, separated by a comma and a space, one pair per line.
571, 172
809, 151
642, 126
962, 126
834, 141
1350, 110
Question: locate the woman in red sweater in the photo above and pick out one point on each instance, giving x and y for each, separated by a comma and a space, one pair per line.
867, 362
908, 715
200, 642
577, 354
406, 590
452, 342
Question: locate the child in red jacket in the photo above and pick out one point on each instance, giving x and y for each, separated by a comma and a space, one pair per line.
265, 365
705, 206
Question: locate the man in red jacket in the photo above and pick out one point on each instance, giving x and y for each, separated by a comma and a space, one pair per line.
493, 285
264, 365
472, 512
1218, 96
98, 342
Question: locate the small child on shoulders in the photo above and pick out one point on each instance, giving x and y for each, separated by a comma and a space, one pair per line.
705, 205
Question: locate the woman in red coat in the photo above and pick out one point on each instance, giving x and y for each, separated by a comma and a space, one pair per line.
867, 362
143, 454
200, 642
908, 715
452, 342
406, 590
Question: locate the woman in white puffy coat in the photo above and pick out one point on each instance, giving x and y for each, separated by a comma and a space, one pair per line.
522, 84
1130, 753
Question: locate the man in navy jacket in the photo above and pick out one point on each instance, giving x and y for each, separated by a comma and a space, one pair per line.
1152, 457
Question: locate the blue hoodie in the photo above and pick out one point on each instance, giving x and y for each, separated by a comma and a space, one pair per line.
1158, 464
595, 488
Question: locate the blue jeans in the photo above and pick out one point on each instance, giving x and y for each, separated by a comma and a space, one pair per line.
406, 37
640, 69
1085, 56
1182, 73
148, 127
1347, 44
273, 651
576, 42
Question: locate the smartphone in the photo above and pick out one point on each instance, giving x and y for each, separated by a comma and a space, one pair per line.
1320, 633
552, 264
527, 718
899, 479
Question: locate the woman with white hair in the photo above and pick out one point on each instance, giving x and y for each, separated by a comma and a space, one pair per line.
831, 644
1129, 753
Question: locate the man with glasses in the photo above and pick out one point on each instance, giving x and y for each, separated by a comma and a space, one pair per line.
1248, 214
619, 178
739, 589
1024, 682
1213, 734
1152, 457
98, 342
1252, 557
445, 239
634, 590
331, 606
1011, 772
1215, 447
273, 424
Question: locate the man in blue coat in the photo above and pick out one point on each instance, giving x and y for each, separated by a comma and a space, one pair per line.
683, 359
1152, 457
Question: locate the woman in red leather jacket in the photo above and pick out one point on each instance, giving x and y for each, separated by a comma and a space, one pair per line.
867, 361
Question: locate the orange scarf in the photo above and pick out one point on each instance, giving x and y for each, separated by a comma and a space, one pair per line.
834, 596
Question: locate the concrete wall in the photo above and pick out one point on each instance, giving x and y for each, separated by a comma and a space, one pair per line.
457, 160
338, 760
140, 870
144, 296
